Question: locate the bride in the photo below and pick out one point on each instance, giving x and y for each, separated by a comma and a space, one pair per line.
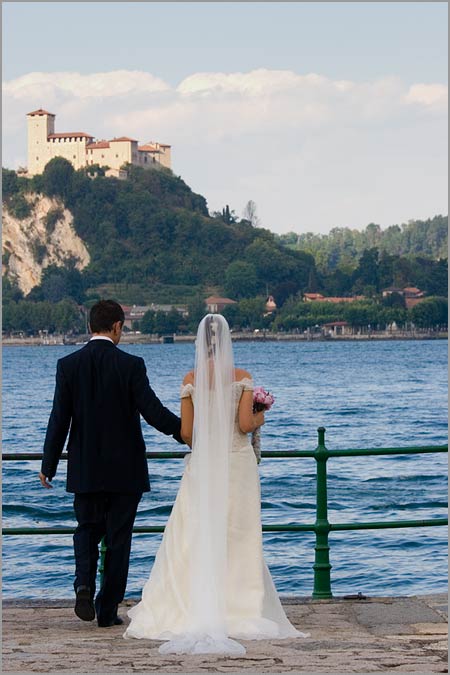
209, 582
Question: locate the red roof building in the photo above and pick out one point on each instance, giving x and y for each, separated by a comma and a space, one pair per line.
216, 305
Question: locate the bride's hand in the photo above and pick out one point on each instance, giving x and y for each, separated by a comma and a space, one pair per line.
258, 419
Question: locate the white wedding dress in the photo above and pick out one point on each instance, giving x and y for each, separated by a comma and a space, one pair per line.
253, 610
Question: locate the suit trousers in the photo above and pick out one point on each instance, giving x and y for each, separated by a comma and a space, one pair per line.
110, 515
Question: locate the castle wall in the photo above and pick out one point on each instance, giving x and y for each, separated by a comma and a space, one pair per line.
71, 149
118, 153
79, 149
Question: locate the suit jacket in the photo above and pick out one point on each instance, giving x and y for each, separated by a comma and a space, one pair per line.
100, 393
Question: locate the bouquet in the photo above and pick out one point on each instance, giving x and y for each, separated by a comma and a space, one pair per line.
262, 400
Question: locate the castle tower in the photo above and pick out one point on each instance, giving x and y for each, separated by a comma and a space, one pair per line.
40, 125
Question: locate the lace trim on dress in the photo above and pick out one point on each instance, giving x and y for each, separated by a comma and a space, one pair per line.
247, 382
186, 390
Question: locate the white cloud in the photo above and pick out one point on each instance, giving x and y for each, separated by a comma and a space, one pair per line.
95, 85
433, 95
310, 151
259, 82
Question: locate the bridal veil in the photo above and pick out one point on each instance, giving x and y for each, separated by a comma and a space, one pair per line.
207, 524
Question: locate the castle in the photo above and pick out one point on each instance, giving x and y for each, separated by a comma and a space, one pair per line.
83, 150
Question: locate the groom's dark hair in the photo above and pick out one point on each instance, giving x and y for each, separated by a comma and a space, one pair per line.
104, 314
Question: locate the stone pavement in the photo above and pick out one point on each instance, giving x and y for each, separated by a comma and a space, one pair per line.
405, 634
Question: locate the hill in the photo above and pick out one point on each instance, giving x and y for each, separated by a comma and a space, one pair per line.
150, 232
71, 237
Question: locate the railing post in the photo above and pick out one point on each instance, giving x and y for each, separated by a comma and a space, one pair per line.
101, 567
322, 567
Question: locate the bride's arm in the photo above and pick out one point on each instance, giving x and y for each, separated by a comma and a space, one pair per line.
248, 420
187, 414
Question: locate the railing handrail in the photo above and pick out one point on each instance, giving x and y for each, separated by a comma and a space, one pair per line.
287, 527
322, 527
350, 452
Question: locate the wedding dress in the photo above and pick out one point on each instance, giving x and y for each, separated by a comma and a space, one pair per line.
209, 582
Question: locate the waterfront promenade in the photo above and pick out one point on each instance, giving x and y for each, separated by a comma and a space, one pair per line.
403, 634
250, 336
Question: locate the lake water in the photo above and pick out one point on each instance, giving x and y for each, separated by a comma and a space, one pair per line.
367, 394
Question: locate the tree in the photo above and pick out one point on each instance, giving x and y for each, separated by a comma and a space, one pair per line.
430, 313
197, 310
232, 315
167, 323
10, 183
10, 291
366, 274
251, 312
241, 280
147, 323
228, 216
67, 317
59, 283
394, 300
57, 178
249, 213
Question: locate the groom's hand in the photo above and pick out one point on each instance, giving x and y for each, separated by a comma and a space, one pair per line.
45, 481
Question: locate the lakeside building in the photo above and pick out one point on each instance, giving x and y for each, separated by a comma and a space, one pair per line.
318, 297
335, 328
216, 305
134, 313
82, 150
411, 294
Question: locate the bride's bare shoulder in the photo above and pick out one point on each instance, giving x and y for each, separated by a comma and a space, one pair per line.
241, 374
189, 378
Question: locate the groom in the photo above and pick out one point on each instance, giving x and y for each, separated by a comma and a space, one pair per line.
100, 393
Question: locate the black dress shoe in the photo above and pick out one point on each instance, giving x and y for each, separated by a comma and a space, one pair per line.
117, 621
84, 607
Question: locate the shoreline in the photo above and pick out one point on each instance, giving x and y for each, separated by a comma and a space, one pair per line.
59, 340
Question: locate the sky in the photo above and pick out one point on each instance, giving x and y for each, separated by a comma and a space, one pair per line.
324, 114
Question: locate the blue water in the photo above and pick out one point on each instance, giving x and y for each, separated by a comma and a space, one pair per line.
365, 394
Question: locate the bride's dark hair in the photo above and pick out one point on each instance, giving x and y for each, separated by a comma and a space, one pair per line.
214, 331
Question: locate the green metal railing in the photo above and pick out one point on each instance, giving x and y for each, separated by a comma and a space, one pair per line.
321, 527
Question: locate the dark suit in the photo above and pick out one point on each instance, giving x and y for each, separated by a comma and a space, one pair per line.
100, 393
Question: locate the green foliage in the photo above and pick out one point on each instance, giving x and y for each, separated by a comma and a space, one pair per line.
430, 313
152, 229
10, 291
168, 323
32, 317
39, 250
95, 170
10, 183
394, 300
52, 217
197, 310
151, 239
57, 178
343, 246
18, 206
147, 323
297, 314
240, 280
59, 283
247, 314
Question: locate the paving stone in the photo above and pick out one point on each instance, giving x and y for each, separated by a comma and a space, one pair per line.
352, 636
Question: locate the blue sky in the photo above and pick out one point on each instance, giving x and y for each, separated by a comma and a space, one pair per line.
325, 114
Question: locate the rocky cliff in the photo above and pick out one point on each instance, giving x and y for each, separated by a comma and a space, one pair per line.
45, 237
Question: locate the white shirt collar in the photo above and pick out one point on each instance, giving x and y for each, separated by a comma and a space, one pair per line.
100, 337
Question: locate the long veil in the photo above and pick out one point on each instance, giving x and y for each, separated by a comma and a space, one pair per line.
212, 439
